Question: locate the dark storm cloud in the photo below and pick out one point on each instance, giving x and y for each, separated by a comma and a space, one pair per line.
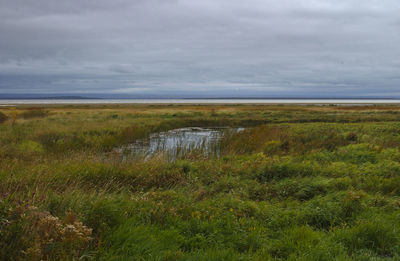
208, 47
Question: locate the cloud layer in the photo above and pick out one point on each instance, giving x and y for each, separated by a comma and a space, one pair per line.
201, 48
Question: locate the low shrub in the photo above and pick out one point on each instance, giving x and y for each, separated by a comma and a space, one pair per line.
30, 234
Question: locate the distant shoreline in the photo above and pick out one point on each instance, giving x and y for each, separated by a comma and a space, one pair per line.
288, 98
191, 98
254, 101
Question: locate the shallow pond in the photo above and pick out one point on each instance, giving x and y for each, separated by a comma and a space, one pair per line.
179, 142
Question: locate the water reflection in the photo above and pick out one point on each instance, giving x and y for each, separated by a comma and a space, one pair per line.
178, 143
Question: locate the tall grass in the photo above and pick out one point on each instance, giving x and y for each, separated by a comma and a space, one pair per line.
300, 183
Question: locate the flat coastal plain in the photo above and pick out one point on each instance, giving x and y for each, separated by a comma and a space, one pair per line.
298, 182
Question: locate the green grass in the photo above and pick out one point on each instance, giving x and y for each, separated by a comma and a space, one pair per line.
300, 183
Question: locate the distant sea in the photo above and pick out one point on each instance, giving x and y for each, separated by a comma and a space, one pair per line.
10, 102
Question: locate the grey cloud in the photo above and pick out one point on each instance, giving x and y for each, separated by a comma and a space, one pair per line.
345, 47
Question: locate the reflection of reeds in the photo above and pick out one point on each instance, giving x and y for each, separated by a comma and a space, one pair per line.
179, 144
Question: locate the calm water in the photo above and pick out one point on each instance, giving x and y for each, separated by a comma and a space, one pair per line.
202, 101
177, 142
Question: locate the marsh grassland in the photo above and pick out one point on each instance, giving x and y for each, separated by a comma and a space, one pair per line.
299, 183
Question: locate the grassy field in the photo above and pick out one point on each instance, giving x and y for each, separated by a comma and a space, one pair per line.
299, 183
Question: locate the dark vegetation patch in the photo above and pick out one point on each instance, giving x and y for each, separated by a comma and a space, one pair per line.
34, 113
3, 117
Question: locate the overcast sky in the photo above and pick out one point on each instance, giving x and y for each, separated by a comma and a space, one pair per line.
201, 47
